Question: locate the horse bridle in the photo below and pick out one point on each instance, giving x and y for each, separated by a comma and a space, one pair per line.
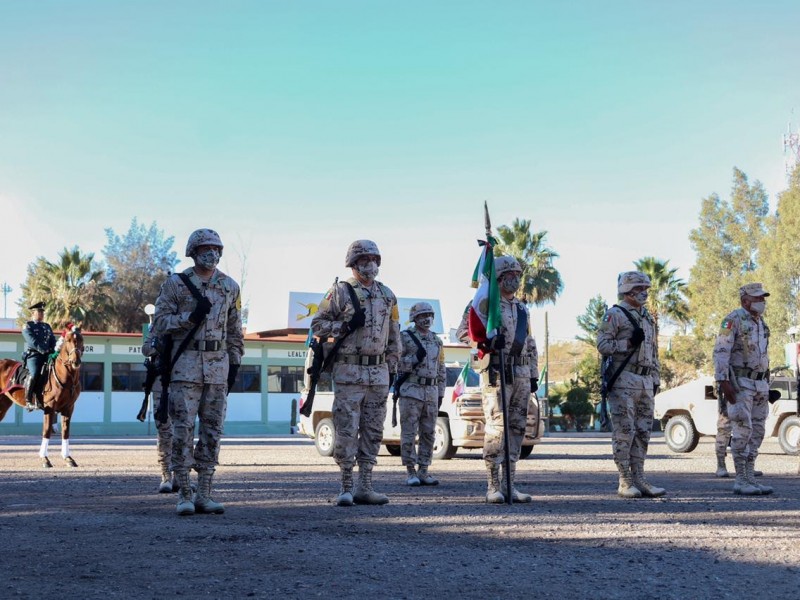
69, 361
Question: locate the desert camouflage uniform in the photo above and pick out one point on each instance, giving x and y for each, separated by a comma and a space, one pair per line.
359, 405
199, 379
723, 438
419, 404
743, 342
630, 401
163, 430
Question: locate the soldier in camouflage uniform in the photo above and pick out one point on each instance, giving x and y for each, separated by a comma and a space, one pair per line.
741, 368
39, 344
724, 428
425, 377
630, 400
207, 369
522, 364
361, 367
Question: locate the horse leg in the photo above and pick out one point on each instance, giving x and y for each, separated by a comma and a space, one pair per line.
47, 431
65, 421
5, 404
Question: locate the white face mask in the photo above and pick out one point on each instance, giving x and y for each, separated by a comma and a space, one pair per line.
368, 271
208, 259
758, 307
424, 322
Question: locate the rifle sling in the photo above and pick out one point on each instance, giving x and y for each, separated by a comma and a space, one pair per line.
621, 368
356, 303
520, 333
401, 379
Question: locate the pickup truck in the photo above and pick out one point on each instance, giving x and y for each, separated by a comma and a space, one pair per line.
689, 411
460, 423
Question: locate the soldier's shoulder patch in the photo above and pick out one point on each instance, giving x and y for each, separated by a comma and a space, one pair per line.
607, 318
395, 313
727, 324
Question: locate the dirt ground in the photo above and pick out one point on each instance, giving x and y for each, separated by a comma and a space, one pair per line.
101, 531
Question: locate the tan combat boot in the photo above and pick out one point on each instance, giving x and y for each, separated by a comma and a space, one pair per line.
722, 470
165, 487
203, 502
493, 493
185, 503
364, 493
345, 497
412, 480
749, 472
644, 486
741, 485
516, 495
626, 488
426, 478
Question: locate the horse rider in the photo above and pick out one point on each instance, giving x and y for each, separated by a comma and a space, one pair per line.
40, 342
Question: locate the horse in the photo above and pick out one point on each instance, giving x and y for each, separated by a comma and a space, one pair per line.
61, 390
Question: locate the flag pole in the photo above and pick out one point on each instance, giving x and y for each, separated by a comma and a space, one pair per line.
503, 404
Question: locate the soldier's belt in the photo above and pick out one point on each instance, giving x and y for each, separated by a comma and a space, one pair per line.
637, 370
517, 361
749, 373
361, 359
422, 380
206, 345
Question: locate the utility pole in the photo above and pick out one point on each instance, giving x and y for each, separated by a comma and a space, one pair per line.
6, 291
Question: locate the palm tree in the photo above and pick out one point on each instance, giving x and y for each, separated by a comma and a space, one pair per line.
667, 299
541, 281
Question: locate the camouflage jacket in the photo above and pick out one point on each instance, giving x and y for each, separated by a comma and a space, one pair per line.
613, 339
379, 335
223, 324
432, 366
742, 342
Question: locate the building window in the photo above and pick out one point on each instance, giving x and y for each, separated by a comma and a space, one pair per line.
128, 377
286, 380
91, 377
248, 379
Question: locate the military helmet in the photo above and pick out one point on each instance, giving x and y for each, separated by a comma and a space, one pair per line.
203, 237
361, 248
419, 308
504, 264
630, 279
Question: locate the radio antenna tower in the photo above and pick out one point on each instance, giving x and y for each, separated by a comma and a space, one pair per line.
791, 149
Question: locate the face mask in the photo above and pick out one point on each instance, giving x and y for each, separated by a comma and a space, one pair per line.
640, 297
424, 322
758, 307
368, 271
510, 284
208, 259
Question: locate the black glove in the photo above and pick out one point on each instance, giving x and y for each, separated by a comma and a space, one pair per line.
534, 384
232, 371
421, 354
357, 321
637, 337
440, 402
392, 379
656, 387
498, 342
200, 311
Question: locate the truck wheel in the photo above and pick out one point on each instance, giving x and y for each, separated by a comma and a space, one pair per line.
789, 435
681, 434
324, 435
393, 449
525, 452
443, 448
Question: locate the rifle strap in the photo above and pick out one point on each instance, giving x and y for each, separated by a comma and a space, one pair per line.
356, 306
401, 379
633, 351
185, 341
520, 333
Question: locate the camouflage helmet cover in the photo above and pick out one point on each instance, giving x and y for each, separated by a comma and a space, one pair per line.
504, 264
203, 237
631, 279
420, 308
361, 248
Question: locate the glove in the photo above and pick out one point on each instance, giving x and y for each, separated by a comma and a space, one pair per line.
498, 342
200, 311
421, 354
637, 337
392, 379
440, 402
232, 372
534, 384
357, 321
728, 391
656, 388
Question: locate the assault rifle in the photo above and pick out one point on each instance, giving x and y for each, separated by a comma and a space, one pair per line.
151, 368
609, 375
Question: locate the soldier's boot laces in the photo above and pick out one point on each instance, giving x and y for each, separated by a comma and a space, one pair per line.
751, 477
203, 502
426, 478
741, 486
644, 486
185, 504
493, 493
627, 489
516, 495
345, 497
722, 470
412, 480
165, 487
364, 492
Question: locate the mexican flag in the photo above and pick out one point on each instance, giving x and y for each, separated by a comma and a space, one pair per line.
484, 313
461, 383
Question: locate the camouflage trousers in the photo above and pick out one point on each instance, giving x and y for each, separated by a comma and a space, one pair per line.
747, 418
517, 397
164, 443
418, 416
358, 415
724, 427
631, 412
187, 402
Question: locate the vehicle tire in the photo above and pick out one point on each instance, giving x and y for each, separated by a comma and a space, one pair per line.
324, 435
681, 434
789, 435
525, 452
393, 449
443, 448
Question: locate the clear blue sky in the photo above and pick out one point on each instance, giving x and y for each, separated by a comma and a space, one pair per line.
295, 127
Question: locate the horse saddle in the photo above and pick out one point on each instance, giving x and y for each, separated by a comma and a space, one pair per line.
16, 379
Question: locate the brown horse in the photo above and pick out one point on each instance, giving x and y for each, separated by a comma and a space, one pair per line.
61, 390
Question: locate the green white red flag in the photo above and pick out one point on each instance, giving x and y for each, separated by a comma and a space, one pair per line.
484, 313
461, 383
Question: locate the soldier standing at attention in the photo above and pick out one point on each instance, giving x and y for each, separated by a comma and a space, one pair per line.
628, 332
364, 312
422, 378
39, 344
206, 370
741, 368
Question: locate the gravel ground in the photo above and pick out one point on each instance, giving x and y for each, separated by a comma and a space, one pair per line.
101, 531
